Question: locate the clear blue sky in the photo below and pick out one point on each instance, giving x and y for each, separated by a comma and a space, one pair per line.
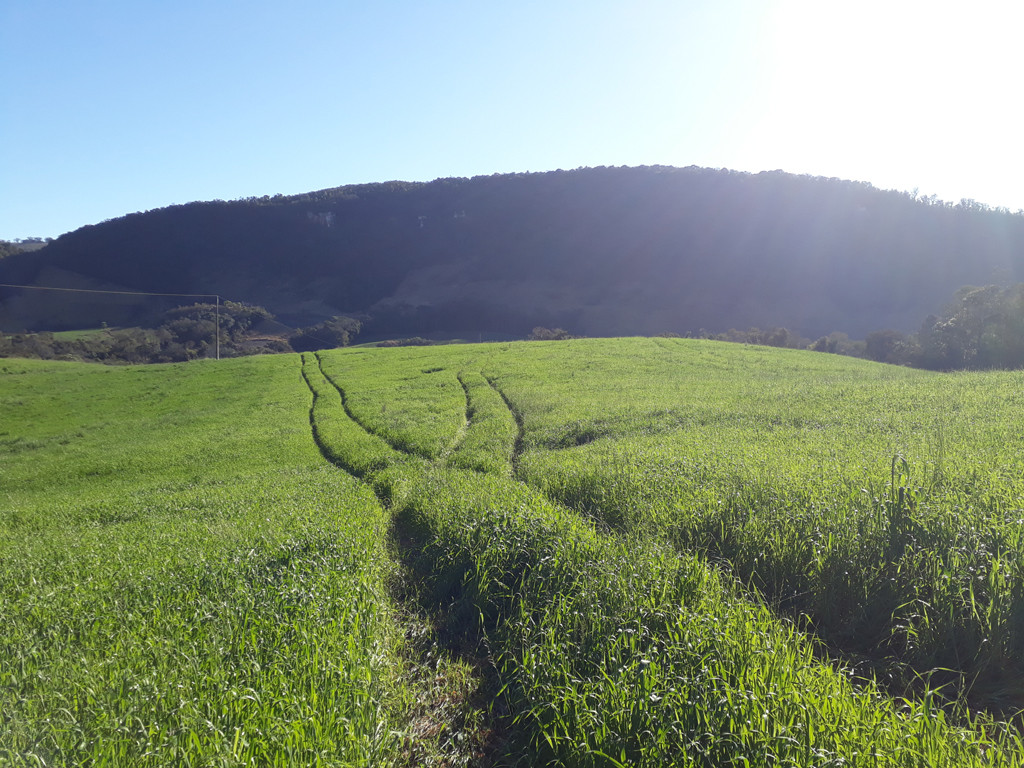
114, 106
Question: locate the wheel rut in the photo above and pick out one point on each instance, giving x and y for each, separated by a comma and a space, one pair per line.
318, 437
517, 446
457, 716
355, 419
460, 435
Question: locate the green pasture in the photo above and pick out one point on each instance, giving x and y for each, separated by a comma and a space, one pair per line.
880, 506
578, 609
184, 580
80, 334
665, 551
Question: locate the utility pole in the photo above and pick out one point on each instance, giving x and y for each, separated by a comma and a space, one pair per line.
218, 326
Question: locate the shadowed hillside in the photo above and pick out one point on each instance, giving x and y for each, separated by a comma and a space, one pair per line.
602, 251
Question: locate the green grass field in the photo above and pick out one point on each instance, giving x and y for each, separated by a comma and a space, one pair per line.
593, 552
184, 580
82, 334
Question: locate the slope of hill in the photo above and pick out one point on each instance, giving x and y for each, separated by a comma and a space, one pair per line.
600, 251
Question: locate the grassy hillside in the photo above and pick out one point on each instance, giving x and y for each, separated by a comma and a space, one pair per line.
664, 552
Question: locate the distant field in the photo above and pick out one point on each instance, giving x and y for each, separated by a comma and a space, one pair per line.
655, 544
80, 334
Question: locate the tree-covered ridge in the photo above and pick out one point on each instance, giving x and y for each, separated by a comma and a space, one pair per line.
597, 251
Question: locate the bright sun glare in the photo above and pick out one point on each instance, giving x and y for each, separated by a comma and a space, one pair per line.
899, 93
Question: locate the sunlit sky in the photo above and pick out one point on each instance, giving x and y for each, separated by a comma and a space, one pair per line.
114, 106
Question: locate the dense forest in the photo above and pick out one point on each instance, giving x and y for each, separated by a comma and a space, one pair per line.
598, 251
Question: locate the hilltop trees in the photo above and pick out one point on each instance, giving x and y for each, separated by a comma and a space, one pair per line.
8, 247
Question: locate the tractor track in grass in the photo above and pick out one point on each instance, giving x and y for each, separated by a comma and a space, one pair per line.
486, 446
861, 666
348, 412
517, 446
664, 345
407, 542
460, 434
318, 438
454, 720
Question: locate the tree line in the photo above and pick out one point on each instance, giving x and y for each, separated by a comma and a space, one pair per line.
980, 328
200, 330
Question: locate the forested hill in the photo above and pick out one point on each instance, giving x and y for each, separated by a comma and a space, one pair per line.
601, 251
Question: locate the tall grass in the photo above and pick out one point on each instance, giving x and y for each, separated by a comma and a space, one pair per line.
617, 650
778, 464
184, 581
782, 467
